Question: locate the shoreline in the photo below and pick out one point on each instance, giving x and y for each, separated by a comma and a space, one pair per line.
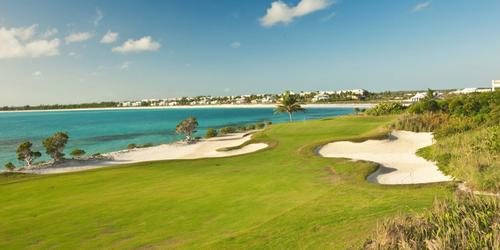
205, 148
329, 105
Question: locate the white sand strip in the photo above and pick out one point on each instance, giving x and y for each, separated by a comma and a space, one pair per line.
202, 149
396, 155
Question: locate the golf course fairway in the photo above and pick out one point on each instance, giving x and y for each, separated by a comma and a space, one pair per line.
282, 197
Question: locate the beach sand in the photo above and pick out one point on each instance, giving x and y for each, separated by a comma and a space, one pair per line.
206, 148
396, 155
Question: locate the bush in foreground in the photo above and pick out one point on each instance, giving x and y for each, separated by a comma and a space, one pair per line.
466, 222
227, 130
473, 157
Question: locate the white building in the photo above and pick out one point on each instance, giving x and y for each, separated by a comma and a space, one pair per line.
495, 84
320, 97
418, 96
470, 90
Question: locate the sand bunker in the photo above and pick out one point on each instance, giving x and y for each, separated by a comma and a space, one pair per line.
202, 149
399, 164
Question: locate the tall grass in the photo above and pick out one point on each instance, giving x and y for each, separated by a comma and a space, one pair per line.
473, 156
466, 222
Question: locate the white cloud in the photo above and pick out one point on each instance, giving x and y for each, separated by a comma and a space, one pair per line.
280, 12
235, 45
421, 6
19, 43
78, 37
144, 44
99, 16
125, 65
110, 37
49, 33
36, 74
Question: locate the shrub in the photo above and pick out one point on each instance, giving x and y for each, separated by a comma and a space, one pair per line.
250, 127
77, 153
260, 125
227, 130
386, 108
473, 157
427, 105
10, 166
132, 146
211, 133
426, 122
466, 222
55, 144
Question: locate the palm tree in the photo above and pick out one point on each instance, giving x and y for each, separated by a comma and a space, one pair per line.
289, 104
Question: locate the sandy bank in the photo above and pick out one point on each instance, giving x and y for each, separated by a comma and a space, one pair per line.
202, 149
399, 164
333, 105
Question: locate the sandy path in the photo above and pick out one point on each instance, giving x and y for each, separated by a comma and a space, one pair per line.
203, 149
397, 156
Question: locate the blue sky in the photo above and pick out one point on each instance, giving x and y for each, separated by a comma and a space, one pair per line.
53, 51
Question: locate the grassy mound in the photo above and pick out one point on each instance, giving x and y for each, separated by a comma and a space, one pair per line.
283, 197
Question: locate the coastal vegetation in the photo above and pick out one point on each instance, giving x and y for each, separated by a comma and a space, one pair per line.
211, 133
466, 129
77, 153
289, 104
9, 166
26, 154
465, 222
187, 127
282, 197
54, 145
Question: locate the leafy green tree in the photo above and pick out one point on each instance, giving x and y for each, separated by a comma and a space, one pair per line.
211, 133
187, 128
24, 153
10, 166
430, 94
55, 144
76, 153
289, 104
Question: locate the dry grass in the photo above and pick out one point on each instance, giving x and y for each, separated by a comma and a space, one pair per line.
466, 222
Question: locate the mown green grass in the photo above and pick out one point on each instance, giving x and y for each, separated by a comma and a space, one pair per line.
283, 197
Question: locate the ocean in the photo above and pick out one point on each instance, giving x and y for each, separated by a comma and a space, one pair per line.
101, 131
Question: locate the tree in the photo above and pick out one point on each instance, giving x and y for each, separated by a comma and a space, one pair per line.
211, 133
187, 128
24, 153
55, 144
430, 94
289, 104
10, 166
76, 153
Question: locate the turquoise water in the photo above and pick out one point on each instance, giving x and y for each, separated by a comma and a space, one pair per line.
111, 130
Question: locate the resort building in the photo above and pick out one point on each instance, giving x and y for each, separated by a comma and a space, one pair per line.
495, 84
418, 96
470, 90
320, 97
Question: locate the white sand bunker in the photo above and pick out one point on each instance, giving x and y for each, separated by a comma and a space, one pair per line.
399, 164
207, 148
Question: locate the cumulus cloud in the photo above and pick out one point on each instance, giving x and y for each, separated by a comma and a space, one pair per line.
280, 12
235, 45
50, 32
78, 37
421, 6
110, 37
20, 42
144, 44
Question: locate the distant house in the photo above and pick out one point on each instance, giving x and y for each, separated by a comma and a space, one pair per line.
469, 90
418, 96
495, 84
320, 97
